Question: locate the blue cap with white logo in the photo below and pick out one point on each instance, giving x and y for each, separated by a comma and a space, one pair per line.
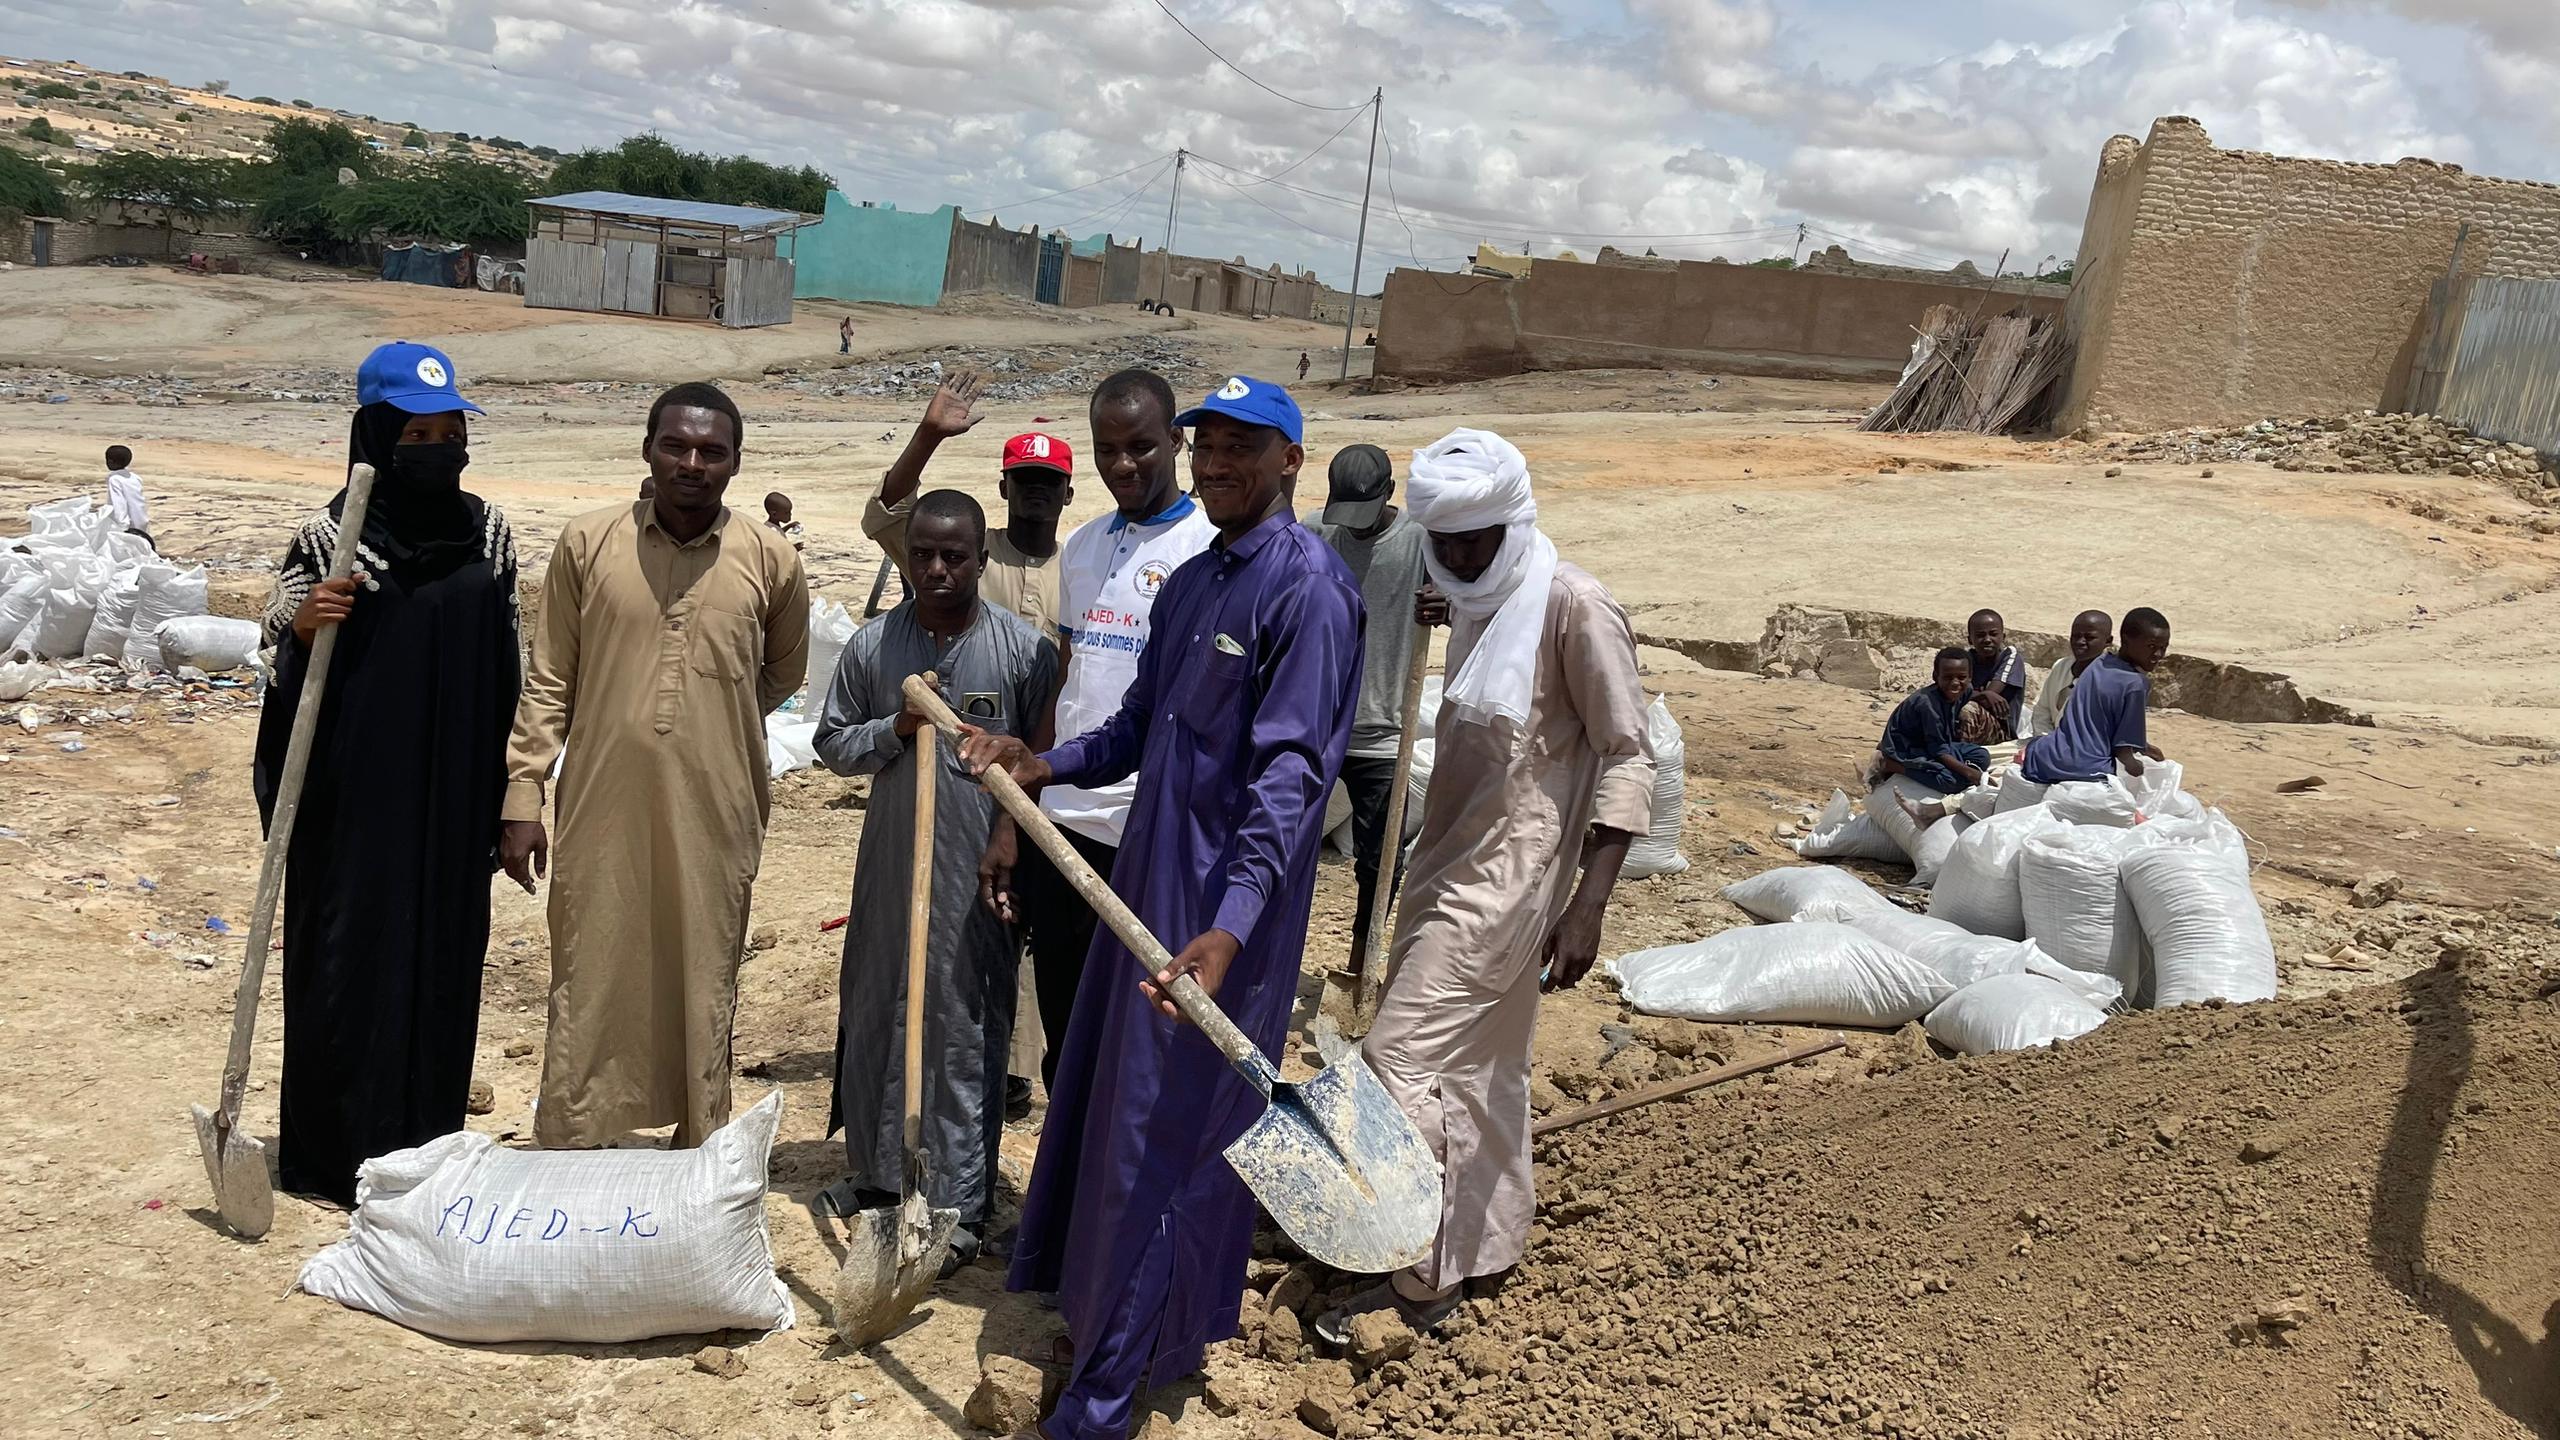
1255, 402
415, 378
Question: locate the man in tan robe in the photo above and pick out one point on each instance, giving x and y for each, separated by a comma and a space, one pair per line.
1541, 762
670, 627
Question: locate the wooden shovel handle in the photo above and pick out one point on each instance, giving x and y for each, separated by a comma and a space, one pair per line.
1194, 1002
297, 761
1682, 1085
919, 936
1373, 978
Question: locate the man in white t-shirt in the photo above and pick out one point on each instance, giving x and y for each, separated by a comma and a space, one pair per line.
1109, 573
124, 494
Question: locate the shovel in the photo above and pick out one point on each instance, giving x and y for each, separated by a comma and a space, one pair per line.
1334, 1161
895, 1252
237, 1163
1372, 966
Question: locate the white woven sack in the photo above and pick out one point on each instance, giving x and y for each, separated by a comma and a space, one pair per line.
1657, 851
19, 604
1778, 894
1808, 974
2159, 792
468, 1240
1978, 887
1891, 817
2207, 936
2017, 792
112, 618
2011, 1012
167, 594
2074, 902
1936, 844
1843, 833
830, 626
1957, 954
210, 643
62, 626
2093, 802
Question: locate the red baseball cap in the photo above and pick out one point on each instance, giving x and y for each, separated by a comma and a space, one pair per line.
1035, 451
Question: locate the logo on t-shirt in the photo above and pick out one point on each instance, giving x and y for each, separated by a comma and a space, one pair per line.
1151, 577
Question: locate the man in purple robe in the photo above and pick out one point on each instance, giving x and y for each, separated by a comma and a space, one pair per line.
1236, 727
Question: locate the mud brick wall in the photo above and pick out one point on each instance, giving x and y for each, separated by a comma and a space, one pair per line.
2216, 287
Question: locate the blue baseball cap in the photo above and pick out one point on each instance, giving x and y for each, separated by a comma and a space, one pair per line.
1255, 402
415, 378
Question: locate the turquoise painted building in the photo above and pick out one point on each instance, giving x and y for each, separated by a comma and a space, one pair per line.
874, 252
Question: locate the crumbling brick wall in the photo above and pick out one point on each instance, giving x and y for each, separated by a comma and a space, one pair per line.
2217, 286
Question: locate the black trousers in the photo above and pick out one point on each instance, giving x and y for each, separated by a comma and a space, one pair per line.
1371, 780
1058, 926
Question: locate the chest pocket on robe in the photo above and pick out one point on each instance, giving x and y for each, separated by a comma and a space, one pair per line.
1211, 707
723, 645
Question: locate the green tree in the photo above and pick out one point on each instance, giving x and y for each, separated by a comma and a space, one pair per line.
179, 187
467, 202
264, 100
92, 85
54, 90
216, 87
41, 131
649, 165
414, 140
296, 146
26, 188
301, 104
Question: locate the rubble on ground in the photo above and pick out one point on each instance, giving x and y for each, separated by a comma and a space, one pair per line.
2364, 443
1025, 372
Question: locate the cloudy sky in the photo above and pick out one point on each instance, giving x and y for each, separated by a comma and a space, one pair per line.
1919, 131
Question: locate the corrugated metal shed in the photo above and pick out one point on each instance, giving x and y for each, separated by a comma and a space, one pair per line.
690, 212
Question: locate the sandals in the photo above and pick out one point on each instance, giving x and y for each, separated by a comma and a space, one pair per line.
1333, 1327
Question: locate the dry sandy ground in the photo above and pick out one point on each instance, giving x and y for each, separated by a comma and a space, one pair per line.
1704, 507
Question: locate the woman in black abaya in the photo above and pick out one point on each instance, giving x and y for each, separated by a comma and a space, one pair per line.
386, 898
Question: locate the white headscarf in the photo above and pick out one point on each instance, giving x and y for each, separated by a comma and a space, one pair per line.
1473, 480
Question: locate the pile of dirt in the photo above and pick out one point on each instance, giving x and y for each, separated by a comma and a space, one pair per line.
2322, 1216
2364, 443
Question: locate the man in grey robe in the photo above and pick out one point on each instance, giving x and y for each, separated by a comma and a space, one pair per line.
997, 673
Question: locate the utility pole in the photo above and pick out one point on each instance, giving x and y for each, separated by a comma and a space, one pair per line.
1797, 254
1351, 310
1172, 216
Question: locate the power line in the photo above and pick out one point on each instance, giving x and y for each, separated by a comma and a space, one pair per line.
1124, 201
1310, 155
1215, 172
1072, 189
1248, 75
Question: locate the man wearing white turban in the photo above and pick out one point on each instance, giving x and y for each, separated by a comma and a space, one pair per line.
1541, 763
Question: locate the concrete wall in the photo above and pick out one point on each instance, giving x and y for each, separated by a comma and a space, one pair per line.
2216, 286
1737, 318
1329, 305
1225, 287
1081, 285
77, 241
991, 257
1120, 266
878, 253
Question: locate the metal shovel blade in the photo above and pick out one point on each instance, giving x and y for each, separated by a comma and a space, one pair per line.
891, 1259
237, 1166
1343, 1171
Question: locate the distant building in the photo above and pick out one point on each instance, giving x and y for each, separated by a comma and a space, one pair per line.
675, 259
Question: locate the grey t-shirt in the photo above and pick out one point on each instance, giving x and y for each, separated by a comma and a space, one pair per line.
1388, 569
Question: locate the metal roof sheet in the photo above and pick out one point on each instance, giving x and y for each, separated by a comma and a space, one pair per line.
736, 217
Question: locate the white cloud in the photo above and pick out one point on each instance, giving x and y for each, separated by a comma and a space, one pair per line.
1695, 126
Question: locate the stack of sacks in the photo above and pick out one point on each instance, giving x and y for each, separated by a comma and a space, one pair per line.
2046, 916
76, 586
